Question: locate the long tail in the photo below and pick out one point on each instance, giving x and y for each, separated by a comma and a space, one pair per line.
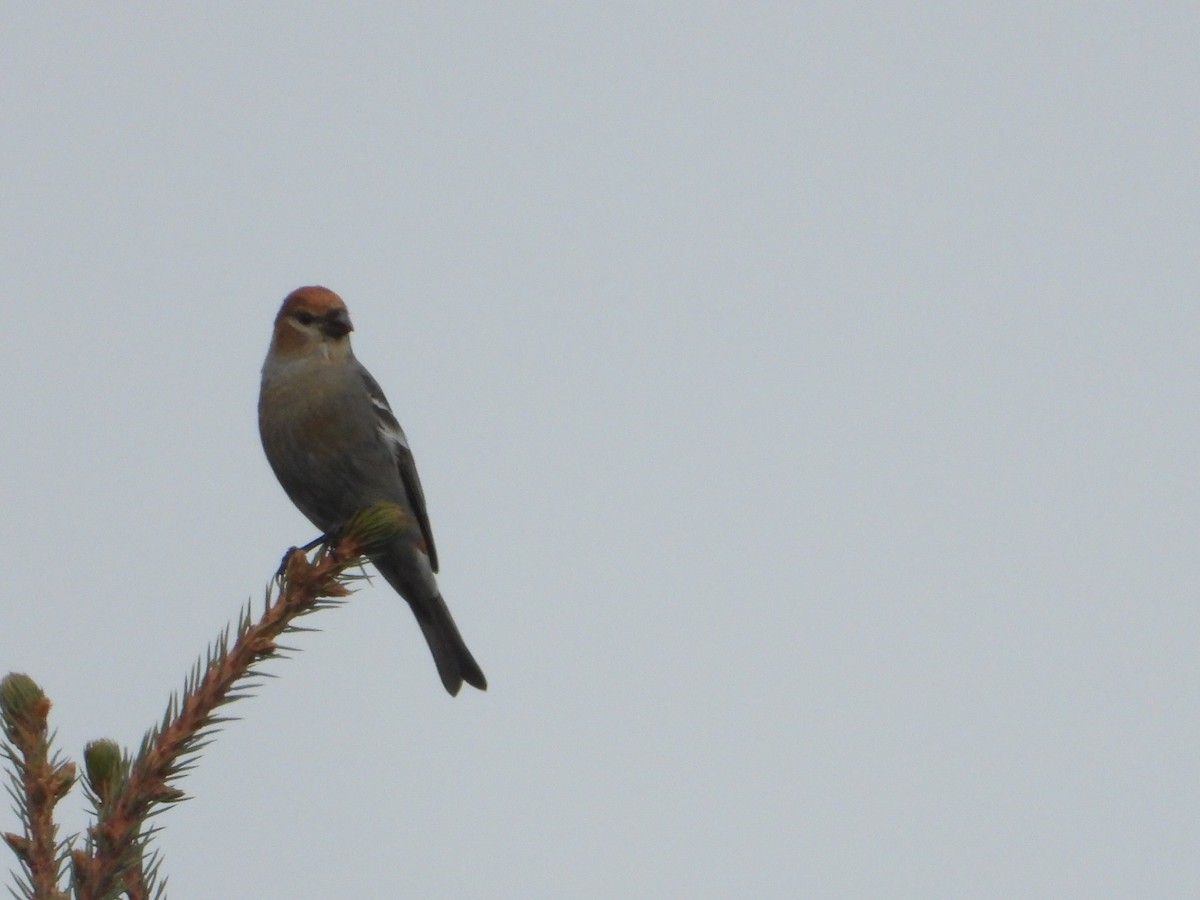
455, 664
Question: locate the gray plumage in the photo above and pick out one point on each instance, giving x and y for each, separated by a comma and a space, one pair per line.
336, 447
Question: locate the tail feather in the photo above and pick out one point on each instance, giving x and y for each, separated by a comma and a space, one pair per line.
454, 661
455, 664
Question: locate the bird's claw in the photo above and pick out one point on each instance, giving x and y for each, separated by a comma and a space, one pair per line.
283, 563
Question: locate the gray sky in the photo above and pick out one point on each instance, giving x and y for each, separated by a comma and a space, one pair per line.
805, 397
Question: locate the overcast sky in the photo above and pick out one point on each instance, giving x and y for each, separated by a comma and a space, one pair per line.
804, 396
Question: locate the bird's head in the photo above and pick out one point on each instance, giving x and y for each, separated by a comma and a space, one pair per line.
312, 320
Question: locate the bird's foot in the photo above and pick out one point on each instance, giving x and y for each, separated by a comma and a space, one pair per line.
283, 563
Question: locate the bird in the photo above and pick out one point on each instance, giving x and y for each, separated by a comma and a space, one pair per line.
336, 448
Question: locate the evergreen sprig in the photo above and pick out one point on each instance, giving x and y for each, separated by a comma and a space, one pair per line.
126, 792
38, 779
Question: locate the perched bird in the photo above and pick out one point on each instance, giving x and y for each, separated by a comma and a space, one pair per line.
336, 448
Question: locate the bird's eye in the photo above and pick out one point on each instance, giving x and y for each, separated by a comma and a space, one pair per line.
304, 317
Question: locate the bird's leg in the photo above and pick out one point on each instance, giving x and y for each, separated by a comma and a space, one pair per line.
321, 539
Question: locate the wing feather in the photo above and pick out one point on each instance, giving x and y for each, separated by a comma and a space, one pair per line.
393, 434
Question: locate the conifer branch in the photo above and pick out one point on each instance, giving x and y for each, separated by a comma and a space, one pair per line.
126, 792
169, 751
39, 779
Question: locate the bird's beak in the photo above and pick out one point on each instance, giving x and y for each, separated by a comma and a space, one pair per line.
336, 324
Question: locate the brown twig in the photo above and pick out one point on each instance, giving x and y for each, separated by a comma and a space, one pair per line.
117, 837
135, 885
43, 781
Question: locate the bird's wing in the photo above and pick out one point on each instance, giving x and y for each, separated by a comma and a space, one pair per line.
393, 436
